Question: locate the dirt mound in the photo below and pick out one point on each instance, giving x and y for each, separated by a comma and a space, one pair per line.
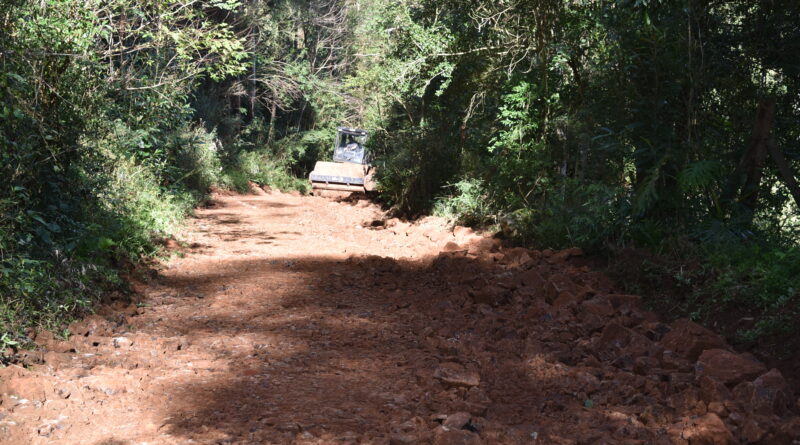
301, 320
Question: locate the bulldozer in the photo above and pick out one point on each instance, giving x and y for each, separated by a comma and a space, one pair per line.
350, 170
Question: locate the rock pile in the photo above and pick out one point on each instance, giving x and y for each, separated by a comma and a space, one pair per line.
611, 367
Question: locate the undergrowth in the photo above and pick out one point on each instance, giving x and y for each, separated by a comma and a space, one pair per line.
130, 190
746, 282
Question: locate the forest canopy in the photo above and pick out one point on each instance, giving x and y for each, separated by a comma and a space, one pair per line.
671, 127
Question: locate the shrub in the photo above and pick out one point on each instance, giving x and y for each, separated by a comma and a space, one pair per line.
198, 159
128, 207
260, 167
468, 203
47, 294
583, 215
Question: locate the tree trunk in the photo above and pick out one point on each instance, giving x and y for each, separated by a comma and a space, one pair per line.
272, 112
756, 155
786, 171
751, 165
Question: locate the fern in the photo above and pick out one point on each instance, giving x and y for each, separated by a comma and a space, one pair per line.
647, 194
699, 175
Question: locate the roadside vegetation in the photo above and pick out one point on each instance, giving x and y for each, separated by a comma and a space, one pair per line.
661, 136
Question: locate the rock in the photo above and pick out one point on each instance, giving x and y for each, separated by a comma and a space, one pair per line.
616, 336
457, 421
454, 374
753, 430
516, 257
463, 232
768, 394
444, 436
288, 427
565, 299
686, 401
623, 302
727, 367
712, 390
563, 255
484, 245
654, 415
91, 325
122, 342
689, 339
788, 431
597, 306
492, 295
452, 247
718, 408
594, 314
57, 359
644, 365
671, 360
559, 283
655, 330
403, 438
31, 388
706, 430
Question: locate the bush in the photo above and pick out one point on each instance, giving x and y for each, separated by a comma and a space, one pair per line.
198, 159
762, 278
129, 208
47, 294
468, 204
260, 167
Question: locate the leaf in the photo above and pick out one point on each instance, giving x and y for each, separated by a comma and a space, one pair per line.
698, 175
104, 243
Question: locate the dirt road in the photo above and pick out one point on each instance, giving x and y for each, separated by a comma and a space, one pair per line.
304, 320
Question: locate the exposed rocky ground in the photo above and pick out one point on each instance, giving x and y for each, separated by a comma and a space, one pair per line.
306, 320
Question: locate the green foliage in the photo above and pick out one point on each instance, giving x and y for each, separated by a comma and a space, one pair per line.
97, 159
47, 294
261, 167
197, 159
467, 203
764, 279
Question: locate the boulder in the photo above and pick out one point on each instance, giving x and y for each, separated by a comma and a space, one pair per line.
28, 387
452, 247
92, 325
706, 430
516, 257
689, 339
484, 245
445, 436
614, 336
671, 360
457, 421
597, 306
559, 283
566, 299
531, 278
712, 390
768, 394
455, 375
492, 295
563, 255
755, 429
727, 367
623, 302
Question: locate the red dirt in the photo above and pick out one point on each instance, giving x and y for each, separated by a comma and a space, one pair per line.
305, 320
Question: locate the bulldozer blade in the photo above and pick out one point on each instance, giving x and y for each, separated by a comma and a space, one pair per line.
341, 177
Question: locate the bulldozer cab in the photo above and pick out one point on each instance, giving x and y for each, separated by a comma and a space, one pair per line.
350, 170
349, 146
